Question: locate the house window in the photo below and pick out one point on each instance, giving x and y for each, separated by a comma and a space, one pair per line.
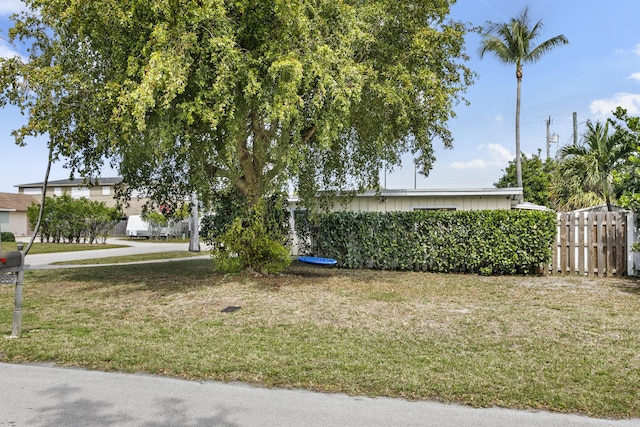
32, 190
57, 191
4, 219
434, 208
137, 194
80, 192
106, 190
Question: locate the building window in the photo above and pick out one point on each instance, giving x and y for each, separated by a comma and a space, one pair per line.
434, 208
4, 219
80, 192
57, 191
106, 190
32, 190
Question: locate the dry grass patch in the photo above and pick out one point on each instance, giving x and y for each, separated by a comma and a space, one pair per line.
559, 343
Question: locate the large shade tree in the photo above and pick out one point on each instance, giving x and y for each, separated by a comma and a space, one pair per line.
513, 43
250, 94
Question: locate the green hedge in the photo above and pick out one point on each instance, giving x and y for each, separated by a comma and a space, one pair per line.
485, 242
7, 236
73, 220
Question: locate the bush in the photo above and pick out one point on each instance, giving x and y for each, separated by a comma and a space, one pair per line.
231, 204
7, 236
73, 220
480, 242
248, 243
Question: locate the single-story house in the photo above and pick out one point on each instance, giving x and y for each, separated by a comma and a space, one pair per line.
13, 213
102, 190
435, 199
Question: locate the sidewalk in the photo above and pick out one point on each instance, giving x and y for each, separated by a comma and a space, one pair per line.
46, 395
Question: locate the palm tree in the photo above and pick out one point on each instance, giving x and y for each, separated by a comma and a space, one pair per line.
512, 43
593, 161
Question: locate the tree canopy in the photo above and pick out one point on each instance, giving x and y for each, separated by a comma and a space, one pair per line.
537, 176
626, 178
250, 94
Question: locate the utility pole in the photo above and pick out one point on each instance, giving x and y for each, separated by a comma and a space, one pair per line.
575, 128
550, 138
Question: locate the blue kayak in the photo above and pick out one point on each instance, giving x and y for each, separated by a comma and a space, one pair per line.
317, 260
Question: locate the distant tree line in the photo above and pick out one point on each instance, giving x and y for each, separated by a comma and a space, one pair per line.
602, 168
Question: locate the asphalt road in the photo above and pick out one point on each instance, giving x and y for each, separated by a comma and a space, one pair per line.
46, 395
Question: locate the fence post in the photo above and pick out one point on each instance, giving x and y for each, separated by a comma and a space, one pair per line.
583, 247
631, 238
556, 251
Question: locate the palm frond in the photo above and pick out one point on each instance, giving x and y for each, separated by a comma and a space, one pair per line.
546, 46
512, 42
588, 167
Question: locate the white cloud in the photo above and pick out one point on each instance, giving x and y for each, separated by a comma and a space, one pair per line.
473, 164
635, 76
8, 7
493, 155
602, 108
499, 118
637, 49
7, 52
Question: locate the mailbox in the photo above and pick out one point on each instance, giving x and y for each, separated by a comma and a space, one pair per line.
10, 260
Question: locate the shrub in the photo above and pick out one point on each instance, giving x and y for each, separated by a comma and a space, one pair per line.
481, 242
73, 220
7, 236
231, 204
250, 242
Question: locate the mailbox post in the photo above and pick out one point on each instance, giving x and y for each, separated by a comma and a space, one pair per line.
12, 271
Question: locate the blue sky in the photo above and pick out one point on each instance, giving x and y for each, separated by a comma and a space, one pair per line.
597, 71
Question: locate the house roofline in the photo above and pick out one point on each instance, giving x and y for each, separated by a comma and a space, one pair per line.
514, 193
73, 182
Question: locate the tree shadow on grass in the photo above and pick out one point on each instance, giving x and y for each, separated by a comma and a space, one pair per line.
170, 277
186, 275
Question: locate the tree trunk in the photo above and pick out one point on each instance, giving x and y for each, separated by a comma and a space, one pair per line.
607, 195
518, 156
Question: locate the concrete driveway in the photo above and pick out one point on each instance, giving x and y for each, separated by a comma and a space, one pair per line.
133, 247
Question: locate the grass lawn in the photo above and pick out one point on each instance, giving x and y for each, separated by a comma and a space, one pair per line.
133, 258
49, 248
564, 344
